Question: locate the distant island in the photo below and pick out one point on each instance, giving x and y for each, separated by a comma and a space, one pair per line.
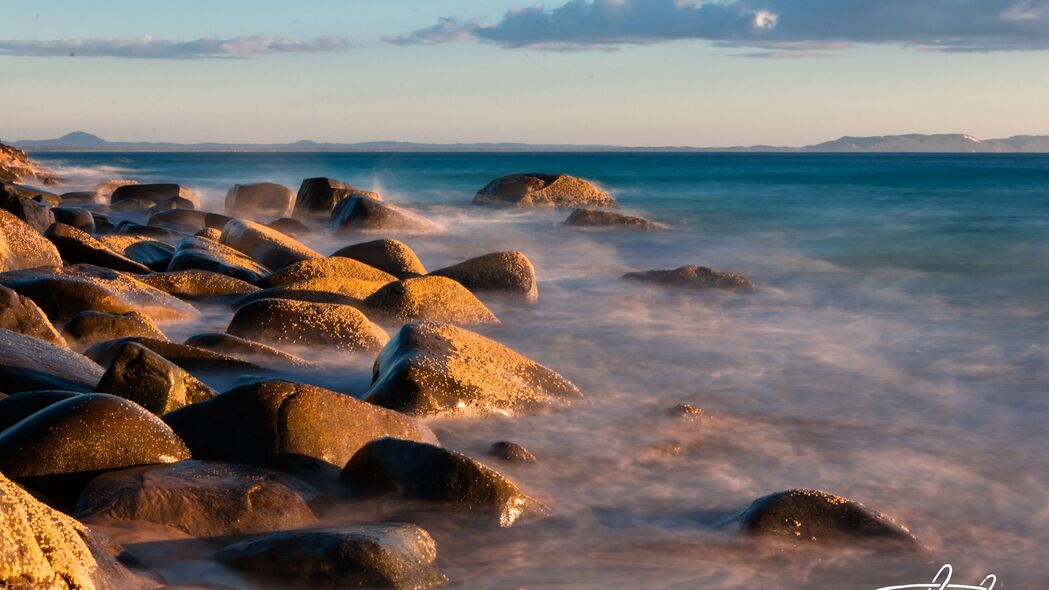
80, 141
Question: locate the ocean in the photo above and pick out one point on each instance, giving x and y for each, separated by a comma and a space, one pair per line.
895, 352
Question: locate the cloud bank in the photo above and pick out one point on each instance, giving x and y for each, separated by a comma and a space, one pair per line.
151, 48
781, 27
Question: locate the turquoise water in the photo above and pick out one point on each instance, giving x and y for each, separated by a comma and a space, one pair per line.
895, 352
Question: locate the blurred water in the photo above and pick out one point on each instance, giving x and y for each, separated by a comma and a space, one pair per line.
895, 353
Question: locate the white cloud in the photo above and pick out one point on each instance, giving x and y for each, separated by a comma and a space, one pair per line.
151, 48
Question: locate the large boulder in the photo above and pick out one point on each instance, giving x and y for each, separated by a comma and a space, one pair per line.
31, 205
31, 364
249, 350
610, 220
420, 471
431, 369
814, 516
151, 381
333, 267
77, 217
262, 199
318, 196
21, 246
153, 254
265, 245
78, 247
88, 328
16, 166
379, 555
19, 314
391, 256
18, 407
200, 498
355, 213
198, 253
274, 423
153, 193
694, 277
438, 299
543, 190
285, 321
499, 272
198, 284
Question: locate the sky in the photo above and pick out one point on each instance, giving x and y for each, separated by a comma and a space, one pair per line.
623, 72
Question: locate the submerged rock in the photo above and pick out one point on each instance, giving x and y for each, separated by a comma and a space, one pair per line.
151, 381
31, 364
420, 471
262, 199
153, 193
363, 556
19, 314
364, 213
285, 321
391, 256
198, 253
265, 245
501, 272
433, 298
21, 246
609, 219
318, 196
18, 407
91, 327
198, 284
694, 277
511, 451
543, 190
78, 247
432, 369
249, 350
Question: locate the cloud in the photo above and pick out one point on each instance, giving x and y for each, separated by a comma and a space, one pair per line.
936, 25
150, 48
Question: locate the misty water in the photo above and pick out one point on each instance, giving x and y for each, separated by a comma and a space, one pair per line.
895, 353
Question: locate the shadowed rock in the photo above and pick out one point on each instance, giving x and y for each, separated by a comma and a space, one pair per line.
289, 226
420, 471
694, 277
265, 245
203, 254
84, 198
610, 220
352, 293
198, 284
318, 196
18, 407
543, 190
77, 217
364, 556
21, 246
30, 364
31, 205
438, 299
151, 381
187, 220
355, 213
196, 361
285, 321
151, 253
272, 423
91, 327
249, 350
391, 256
262, 199
78, 247
19, 314
511, 451
500, 272
153, 193
430, 369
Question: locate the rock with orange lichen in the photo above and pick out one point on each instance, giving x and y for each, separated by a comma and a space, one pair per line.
499, 272
21, 246
433, 369
433, 298
198, 284
392, 256
286, 321
543, 190
264, 244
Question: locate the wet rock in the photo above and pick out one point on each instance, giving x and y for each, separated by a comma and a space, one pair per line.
131, 206
333, 267
687, 411
187, 220
355, 213
172, 203
419, 471
28, 204
265, 245
198, 284
813, 516
500, 272
332, 291
153, 254
511, 451
391, 256
91, 327
77, 217
200, 498
210, 233
284, 321
151, 381
364, 556
439, 299
204, 254
21, 246
694, 277
289, 226
78, 247
131, 228
153, 193
18, 407
30, 364
19, 314
196, 361
265, 199
609, 219
431, 369
543, 190
272, 423
318, 196
249, 350
84, 198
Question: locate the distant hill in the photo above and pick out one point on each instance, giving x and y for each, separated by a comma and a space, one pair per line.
910, 143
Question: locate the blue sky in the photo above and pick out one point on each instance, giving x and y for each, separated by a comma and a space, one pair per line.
633, 72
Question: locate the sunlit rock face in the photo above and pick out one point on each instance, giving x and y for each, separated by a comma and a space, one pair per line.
535, 189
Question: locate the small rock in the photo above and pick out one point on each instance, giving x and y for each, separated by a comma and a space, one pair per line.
153, 254
78, 247
694, 277
187, 219
318, 196
198, 284
30, 205
203, 254
151, 381
91, 327
391, 256
609, 219
31, 364
77, 217
687, 411
209, 233
284, 321
500, 272
511, 451
194, 360
289, 226
332, 267
249, 350
434, 298
543, 190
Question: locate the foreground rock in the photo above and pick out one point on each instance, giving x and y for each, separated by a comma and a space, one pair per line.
262, 199
157, 194
432, 369
196, 361
330, 291
364, 556
153, 254
30, 364
356, 213
151, 381
694, 277
318, 196
77, 217
391, 256
609, 219
420, 471
265, 245
198, 253
19, 314
813, 516
330, 267
274, 423
88, 328
543, 190
433, 298
21, 246
285, 321
31, 205
249, 350
198, 284
78, 247
18, 407
499, 272
200, 498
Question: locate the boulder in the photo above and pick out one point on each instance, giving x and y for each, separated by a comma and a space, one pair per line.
249, 350
16, 166
318, 196
364, 556
84, 198
200, 498
511, 451
31, 364
499, 272
198, 284
196, 361
432, 369
356, 213
153, 193
433, 298
91, 327
172, 203
334, 267
28, 204
187, 220
18, 407
151, 381
694, 277
19, 314
610, 220
263, 199
284, 321
289, 226
419, 471
543, 190
391, 256
210, 233
131, 228
21, 246
332, 291
152, 254
274, 423
265, 245
78, 247
77, 217
203, 254
817, 517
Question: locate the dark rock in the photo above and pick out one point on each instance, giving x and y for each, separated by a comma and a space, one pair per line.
284, 321
364, 556
303, 292
204, 254
543, 190
318, 196
31, 205
271, 423
151, 381
249, 350
78, 247
391, 256
196, 361
694, 277
187, 220
355, 213
687, 411
433, 298
171, 203
289, 226
608, 219
77, 217
511, 451
200, 498
30, 364
263, 199
84, 198
419, 471
152, 254
131, 228
265, 245
198, 284
501, 272
154, 193
18, 407
131, 206
21, 246
19, 314
91, 327
431, 369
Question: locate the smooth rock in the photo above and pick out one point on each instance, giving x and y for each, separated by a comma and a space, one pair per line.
433, 298
265, 245
91, 327
284, 321
151, 381
31, 205
83, 198
289, 226
153, 254
78, 247
203, 254
249, 350
500, 272
77, 217
262, 199
21, 246
694, 277
31, 364
18, 407
154, 193
187, 220
610, 220
198, 284
19, 314
356, 213
333, 267
196, 361
391, 256
318, 196
543, 190
511, 451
